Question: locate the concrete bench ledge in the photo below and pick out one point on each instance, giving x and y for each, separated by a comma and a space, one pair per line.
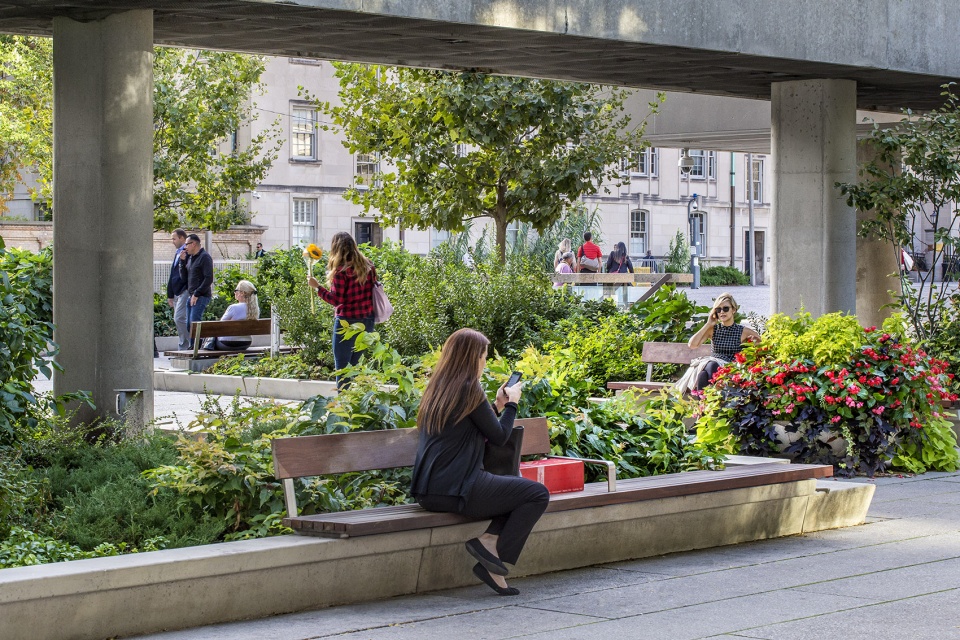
181, 588
279, 388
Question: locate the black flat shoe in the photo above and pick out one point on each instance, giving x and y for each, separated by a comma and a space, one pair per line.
489, 561
480, 571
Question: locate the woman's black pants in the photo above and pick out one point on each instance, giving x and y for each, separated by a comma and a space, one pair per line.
514, 505
706, 375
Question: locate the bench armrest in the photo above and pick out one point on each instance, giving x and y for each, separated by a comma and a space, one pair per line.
611, 469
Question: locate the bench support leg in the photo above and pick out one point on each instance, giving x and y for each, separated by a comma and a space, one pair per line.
290, 498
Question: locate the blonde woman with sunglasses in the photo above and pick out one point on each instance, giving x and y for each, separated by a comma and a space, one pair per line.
726, 338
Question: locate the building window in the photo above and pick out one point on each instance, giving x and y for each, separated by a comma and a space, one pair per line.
438, 237
704, 164
367, 167
698, 231
303, 131
645, 163
367, 233
42, 212
756, 187
304, 225
639, 240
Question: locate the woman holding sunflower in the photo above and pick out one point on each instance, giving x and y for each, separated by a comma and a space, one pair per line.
350, 280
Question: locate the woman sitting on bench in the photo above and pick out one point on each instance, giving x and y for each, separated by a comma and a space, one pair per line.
246, 308
455, 421
726, 338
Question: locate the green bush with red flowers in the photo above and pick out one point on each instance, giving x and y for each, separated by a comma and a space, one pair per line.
811, 382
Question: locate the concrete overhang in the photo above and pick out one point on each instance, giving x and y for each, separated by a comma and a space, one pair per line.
898, 51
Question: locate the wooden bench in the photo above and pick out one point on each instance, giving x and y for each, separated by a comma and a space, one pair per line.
308, 456
661, 353
200, 331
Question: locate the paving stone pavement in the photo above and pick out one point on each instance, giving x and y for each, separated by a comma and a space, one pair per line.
897, 577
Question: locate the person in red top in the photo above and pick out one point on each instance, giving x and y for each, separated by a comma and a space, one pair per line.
350, 280
589, 256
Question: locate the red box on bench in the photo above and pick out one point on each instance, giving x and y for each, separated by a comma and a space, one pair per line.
559, 476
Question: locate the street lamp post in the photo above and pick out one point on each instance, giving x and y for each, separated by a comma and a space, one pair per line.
693, 205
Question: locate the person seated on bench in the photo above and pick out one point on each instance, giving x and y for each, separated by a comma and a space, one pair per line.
726, 339
455, 421
246, 308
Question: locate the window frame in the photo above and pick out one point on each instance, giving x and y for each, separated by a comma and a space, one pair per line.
314, 213
297, 135
643, 234
756, 188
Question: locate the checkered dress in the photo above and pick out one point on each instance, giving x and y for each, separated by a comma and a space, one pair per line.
726, 341
349, 298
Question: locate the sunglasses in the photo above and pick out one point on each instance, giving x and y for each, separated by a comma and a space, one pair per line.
723, 309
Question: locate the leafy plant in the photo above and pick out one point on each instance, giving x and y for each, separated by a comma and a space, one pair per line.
290, 366
810, 382
677, 259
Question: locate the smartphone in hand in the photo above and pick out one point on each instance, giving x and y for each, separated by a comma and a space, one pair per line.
514, 378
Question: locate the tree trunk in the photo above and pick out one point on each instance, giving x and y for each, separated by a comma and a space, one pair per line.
500, 218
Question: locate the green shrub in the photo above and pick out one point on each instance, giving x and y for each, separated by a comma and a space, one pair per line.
720, 276
677, 259
290, 366
163, 320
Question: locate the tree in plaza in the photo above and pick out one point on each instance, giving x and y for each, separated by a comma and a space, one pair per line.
462, 146
201, 100
913, 185
26, 114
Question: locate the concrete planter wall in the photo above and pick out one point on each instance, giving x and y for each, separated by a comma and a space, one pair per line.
276, 388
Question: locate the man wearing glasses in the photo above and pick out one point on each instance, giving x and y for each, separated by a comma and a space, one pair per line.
196, 269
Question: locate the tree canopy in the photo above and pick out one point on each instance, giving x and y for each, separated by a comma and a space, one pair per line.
201, 101
455, 147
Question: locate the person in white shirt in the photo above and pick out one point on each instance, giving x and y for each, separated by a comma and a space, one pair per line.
246, 308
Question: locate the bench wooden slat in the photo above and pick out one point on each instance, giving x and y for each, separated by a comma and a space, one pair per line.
307, 456
637, 384
411, 516
218, 353
221, 328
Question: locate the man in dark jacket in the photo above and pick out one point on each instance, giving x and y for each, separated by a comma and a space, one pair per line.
177, 291
196, 269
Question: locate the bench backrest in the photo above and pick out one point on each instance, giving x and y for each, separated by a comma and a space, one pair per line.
220, 328
670, 353
306, 456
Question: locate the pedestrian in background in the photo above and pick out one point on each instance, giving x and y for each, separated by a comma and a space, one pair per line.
177, 296
566, 246
618, 261
350, 281
196, 269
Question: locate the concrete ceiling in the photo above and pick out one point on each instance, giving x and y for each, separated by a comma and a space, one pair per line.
713, 47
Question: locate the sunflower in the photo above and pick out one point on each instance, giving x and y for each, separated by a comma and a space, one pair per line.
313, 251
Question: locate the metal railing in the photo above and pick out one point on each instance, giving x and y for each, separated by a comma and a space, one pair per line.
161, 271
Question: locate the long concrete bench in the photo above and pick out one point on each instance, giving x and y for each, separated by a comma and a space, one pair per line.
182, 588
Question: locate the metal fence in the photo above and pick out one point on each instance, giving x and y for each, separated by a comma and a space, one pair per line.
161, 271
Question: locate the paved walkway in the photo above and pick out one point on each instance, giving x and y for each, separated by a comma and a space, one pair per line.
896, 577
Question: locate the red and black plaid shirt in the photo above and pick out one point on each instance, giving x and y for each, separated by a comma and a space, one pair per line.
349, 298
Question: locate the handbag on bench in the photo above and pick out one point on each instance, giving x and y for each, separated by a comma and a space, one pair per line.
504, 459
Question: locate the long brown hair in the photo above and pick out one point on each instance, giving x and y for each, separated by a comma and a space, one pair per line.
344, 253
454, 389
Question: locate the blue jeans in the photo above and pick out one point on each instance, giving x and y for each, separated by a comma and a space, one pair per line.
343, 353
195, 311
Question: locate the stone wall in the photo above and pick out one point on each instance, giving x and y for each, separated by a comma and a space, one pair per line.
236, 243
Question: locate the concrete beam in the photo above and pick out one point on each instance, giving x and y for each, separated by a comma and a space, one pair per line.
814, 231
103, 193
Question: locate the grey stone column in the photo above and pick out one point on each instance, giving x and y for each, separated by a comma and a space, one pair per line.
813, 134
103, 218
877, 264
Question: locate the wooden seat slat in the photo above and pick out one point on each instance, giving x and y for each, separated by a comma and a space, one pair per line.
411, 516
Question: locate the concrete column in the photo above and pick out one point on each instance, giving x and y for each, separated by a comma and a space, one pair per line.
813, 135
877, 264
103, 199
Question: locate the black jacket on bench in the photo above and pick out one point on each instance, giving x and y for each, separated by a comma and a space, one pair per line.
449, 462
